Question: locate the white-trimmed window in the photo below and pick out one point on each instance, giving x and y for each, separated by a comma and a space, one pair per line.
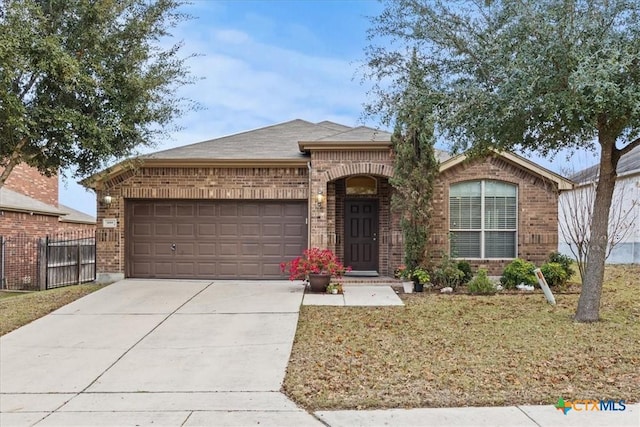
483, 218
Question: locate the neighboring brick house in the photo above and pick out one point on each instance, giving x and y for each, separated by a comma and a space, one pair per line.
236, 206
29, 212
29, 206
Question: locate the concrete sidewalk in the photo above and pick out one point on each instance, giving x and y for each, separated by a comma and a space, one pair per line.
357, 296
509, 416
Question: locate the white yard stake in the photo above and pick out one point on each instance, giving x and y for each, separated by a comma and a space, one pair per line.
543, 285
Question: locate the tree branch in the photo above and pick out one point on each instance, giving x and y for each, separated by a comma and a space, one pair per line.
28, 87
629, 147
14, 160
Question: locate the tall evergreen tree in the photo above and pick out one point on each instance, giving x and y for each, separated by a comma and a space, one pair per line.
415, 164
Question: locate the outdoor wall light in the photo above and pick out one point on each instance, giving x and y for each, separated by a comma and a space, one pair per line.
319, 199
106, 200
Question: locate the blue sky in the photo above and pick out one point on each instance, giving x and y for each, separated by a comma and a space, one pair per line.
264, 62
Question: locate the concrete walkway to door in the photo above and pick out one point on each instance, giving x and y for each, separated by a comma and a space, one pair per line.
163, 352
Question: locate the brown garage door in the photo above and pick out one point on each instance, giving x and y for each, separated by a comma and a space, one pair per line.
213, 240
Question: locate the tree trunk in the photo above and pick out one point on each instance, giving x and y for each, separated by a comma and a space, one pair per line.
589, 302
6, 172
12, 161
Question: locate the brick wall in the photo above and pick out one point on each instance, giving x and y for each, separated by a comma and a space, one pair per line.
187, 183
537, 217
19, 223
21, 233
537, 210
29, 181
329, 170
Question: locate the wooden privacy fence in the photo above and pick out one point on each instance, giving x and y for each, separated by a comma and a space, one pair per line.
28, 263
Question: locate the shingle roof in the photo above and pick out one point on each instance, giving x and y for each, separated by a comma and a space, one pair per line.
629, 163
76, 216
12, 201
279, 141
272, 142
360, 133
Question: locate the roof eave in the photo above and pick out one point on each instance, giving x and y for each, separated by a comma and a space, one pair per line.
96, 181
306, 146
562, 182
31, 211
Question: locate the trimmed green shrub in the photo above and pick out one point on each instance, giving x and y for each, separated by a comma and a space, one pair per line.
465, 267
447, 274
564, 260
518, 271
554, 273
481, 284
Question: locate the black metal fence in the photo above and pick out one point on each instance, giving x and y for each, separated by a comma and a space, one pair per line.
37, 263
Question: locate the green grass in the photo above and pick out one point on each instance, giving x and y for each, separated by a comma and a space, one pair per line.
21, 308
460, 350
8, 294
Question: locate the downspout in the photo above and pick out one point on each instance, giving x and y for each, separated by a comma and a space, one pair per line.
309, 202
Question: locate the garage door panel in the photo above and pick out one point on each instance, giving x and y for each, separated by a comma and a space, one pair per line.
163, 229
207, 230
185, 268
296, 231
207, 249
271, 270
250, 250
185, 230
185, 249
249, 211
227, 229
227, 269
206, 210
249, 270
250, 230
273, 211
143, 209
213, 239
206, 269
162, 248
163, 269
142, 230
272, 230
142, 249
291, 250
295, 210
228, 249
228, 210
163, 210
185, 211
272, 250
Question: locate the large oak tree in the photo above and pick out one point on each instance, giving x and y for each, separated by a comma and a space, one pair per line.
525, 75
84, 82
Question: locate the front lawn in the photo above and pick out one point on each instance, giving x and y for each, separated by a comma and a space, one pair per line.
463, 350
19, 309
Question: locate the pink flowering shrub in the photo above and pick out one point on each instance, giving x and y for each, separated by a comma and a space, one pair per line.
314, 261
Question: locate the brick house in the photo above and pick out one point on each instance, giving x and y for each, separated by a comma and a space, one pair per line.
236, 206
29, 211
29, 206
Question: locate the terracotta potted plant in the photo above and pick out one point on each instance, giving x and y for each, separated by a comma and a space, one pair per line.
316, 266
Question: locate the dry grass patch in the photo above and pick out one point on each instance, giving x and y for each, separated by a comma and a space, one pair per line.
19, 309
459, 350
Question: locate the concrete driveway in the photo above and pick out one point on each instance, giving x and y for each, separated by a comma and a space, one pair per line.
162, 352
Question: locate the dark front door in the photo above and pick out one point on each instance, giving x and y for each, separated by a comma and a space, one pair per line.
361, 235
